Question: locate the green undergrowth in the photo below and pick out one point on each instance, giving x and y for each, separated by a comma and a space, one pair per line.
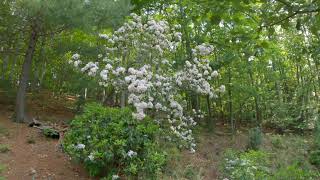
181, 165
279, 157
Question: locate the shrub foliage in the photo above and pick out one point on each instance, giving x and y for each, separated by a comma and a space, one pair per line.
111, 143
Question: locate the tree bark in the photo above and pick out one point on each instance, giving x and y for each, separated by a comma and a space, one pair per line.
26, 70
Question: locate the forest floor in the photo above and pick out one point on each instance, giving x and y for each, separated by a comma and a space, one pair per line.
25, 153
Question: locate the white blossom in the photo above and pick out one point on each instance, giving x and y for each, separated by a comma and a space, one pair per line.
131, 153
115, 177
251, 58
104, 74
214, 74
91, 157
80, 146
75, 56
104, 36
222, 88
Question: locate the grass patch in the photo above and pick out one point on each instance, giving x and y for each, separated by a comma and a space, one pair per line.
289, 156
193, 172
4, 148
180, 164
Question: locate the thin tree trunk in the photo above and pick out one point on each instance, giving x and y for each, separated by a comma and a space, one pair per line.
211, 124
230, 105
26, 69
123, 99
85, 93
4, 67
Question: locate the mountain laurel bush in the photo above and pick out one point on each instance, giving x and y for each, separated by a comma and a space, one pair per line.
111, 143
249, 165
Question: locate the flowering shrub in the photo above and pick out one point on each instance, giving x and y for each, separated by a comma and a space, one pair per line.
138, 63
245, 166
110, 142
253, 165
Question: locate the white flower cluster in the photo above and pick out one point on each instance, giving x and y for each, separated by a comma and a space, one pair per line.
139, 86
115, 177
222, 88
91, 157
233, 166
198, 113
80, 146
91, 68
150, 40
203, 49
197, 73
131, 154
251, 58
112, 76
75, 60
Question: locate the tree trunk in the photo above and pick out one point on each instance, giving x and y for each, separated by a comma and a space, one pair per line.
123, 99
211, 123
4, 67
21, 95
103, 98
85, 93
230, 105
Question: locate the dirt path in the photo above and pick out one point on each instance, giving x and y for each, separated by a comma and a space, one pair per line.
41, 159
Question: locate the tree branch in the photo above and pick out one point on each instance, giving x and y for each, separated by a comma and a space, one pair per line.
292, 15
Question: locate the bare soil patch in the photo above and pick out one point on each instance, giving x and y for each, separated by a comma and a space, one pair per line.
31, 154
